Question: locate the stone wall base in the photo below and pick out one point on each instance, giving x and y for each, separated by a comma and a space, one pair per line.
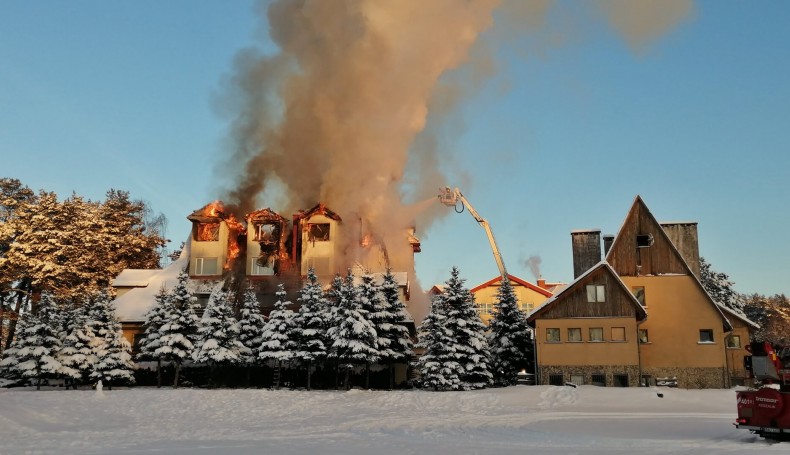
604, 375
690, 378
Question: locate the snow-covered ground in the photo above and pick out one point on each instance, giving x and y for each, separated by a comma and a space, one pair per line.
514, 420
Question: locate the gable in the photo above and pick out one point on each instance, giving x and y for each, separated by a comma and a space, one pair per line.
515, 281
573, 302
660, 258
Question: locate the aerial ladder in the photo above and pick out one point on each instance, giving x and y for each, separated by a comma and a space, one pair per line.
451, 197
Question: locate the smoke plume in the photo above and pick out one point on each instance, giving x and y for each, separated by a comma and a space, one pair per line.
345, 103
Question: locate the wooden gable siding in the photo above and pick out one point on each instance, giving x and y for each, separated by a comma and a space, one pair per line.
573, 303
660, 258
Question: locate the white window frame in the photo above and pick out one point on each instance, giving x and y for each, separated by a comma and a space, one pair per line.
200, 266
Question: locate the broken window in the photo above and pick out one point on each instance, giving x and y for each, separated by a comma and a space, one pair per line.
207, 232
644, 240
266, 233
318, 232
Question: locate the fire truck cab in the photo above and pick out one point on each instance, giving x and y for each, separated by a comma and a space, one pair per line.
765, 410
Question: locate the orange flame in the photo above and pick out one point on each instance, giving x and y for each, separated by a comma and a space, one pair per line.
233, 243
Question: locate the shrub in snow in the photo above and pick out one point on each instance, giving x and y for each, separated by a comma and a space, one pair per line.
456, 352
178, 331
113, 353
251, 323
76, 354
277, 345
389, 319
156, 317
510, 338
33, 353
309, 325
218, 336
354, 339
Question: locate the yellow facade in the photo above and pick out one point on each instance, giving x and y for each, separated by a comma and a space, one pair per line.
529, 296
587, 352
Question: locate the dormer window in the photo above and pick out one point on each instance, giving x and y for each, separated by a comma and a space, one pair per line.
318, 232
207, 232
644, 240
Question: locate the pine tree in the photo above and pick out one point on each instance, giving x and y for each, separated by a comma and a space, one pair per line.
509, 339
468, 331
218, 336
157, 316
113, 353
180, 329
389, 319
33, 354
277, 345
439, 370
310, 325
354, 340
251, 323
719, 287
77, 355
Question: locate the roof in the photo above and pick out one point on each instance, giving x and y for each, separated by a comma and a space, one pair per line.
134, 277
513, 279
740, 316
545, 305
637, 201
133, 305
320, 209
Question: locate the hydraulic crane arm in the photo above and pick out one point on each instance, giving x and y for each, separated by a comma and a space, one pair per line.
450, 197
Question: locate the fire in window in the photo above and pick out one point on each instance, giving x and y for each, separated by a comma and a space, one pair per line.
318, 232
207, 232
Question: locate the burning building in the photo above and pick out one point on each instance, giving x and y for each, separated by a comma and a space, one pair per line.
262, 252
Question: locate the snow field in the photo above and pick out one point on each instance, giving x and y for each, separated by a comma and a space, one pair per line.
523, 419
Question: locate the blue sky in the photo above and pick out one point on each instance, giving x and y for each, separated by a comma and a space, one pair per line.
97, 95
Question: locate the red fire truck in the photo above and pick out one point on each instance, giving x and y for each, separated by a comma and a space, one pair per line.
765, 410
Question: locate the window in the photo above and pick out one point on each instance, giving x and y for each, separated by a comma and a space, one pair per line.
596, 293
257, 268
577, 379
620, 380
265, 233
138, 337
318, 232
574, 335
644, 240
555, 379
643, 336
596, 334
206, 266
618, 334
734, 341
207, 232
552, 335
706, 336
639, 293
598, 379
525, 306
485, 308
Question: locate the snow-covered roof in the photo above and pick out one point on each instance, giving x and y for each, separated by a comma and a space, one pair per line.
584, 231
134, 304
134, 277
739, 315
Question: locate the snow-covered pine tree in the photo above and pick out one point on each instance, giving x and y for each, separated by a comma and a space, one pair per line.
468, 333
251, 323
509, 339
113, 353
719, 287
218, 336
395, 344
180, 329
33, 354
77, 355
439, 370
155, 318
354, 340
309, 325
277, 345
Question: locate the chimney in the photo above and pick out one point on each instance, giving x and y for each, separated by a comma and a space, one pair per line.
608, 239
541, 283
586, 250
684, 236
